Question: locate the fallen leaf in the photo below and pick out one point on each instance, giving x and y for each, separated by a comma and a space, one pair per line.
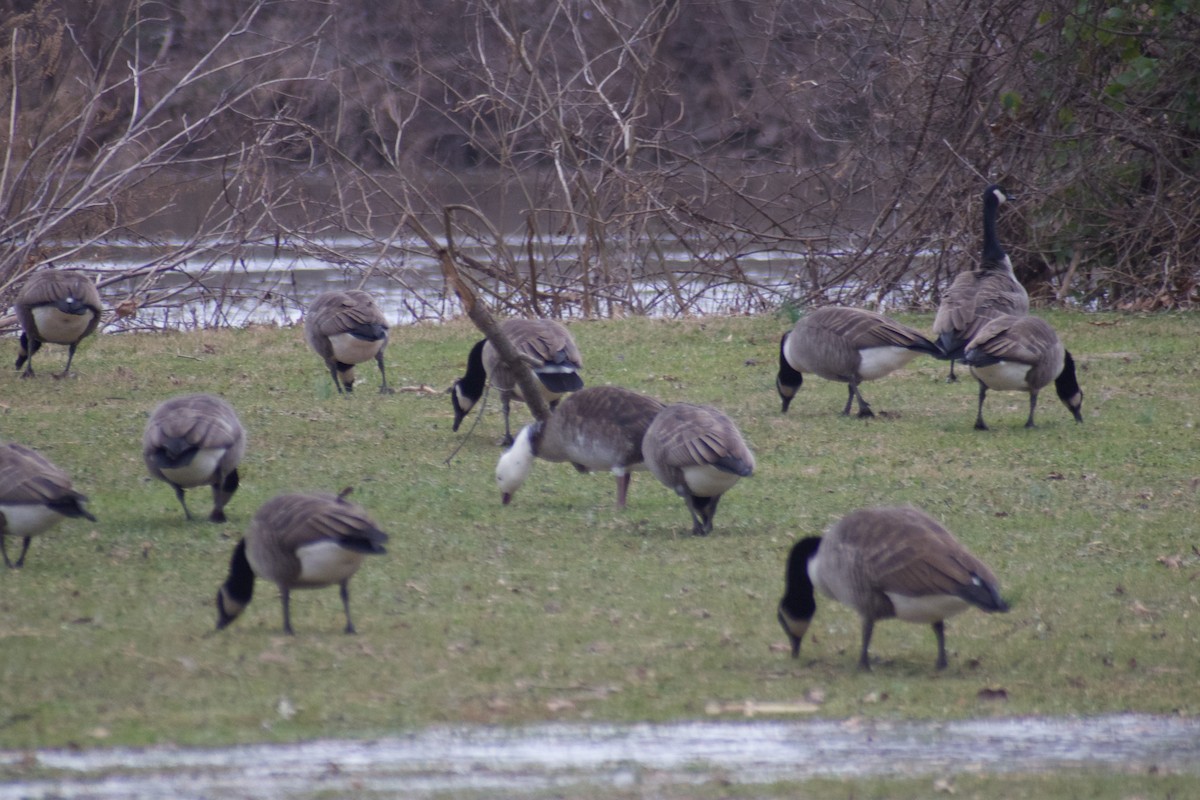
944, 786
1171, 562
989, 693
557, 704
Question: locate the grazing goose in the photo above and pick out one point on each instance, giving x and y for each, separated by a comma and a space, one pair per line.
884, 563
978, 295
548, 348
698, 453
299, 541
35, 496
55, 306
347, 328
848, 345
195, 440
1022, 354
596, 428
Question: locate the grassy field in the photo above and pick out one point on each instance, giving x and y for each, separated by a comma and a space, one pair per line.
559, 607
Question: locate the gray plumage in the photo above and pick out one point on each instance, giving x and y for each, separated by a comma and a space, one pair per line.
55, 306
300, 541
549, 349
35, 495
347, 328
598, 428
890, 562
850, 345
976, 296
697, 452
1023, 354
195, 440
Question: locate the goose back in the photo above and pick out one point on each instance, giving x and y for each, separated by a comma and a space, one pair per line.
195, 440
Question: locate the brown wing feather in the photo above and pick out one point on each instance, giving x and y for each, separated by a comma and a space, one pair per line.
864, 328
26, 476
50, 286
685, 434
337, 312
1022, 339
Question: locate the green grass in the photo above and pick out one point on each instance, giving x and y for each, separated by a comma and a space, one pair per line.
558, 607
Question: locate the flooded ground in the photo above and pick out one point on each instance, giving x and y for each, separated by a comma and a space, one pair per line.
576, 759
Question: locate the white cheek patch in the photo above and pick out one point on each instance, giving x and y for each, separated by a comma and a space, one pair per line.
351, 350
200, 471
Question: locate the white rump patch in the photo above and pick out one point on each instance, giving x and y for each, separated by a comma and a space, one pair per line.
708, 481
880, 361
1004, 376
928, 609
58, 328
350, 350
326, 562
200, 471
28, 519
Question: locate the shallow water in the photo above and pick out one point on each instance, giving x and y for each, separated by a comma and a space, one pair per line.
614, 757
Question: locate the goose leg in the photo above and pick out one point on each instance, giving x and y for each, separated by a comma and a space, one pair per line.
345, 592
849, 400
505, 402
623, 488
285, 598
333, 372
980, 425
939, 630
384, 389
222, 494
864, 661
864, 410
70, 357
20, 562
179, 495
25, 353
1032, 406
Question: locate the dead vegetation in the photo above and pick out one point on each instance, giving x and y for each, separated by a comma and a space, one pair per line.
632, 158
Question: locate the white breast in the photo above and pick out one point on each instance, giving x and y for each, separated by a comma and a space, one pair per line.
1004, 376
349, 349
28, 519
708, 481
58, 328
928, 609
880, 361
200, 471
324, 562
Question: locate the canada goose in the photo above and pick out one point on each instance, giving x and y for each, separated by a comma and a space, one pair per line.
978, 295
195, 440
550, 351
850, 345
698, 453
1022, 354
347, 328
596, 428
884, 563
35, 496
55, 306
299, 541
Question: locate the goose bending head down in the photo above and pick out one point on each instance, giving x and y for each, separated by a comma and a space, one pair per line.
55, 306
885, 563
1022, 354
697, 452
598, 428
345, 329
299, 541
549, 349
196, 440
35, 495
849, 345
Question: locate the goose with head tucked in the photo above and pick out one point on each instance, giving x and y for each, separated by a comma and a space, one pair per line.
697, 452
196, 440
55, 306
850, 345
597, 428
35, 495
886, 563
1022, 354
345, 329
978, 295
300, 541
549, 349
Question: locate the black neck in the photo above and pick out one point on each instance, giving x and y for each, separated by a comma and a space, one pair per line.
788, 376
240, 583
799, 600
993, 253
1067, 384
471, 384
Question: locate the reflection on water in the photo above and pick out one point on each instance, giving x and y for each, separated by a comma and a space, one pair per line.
573, 757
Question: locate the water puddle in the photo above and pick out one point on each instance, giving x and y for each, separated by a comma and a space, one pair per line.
612, 758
